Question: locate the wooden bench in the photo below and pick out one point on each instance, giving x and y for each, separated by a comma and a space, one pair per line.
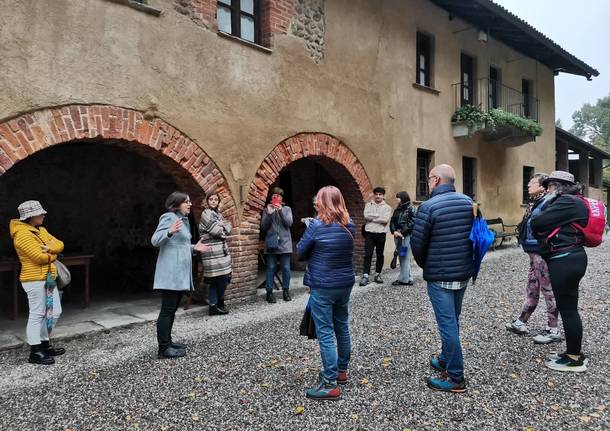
14, 266
507, 231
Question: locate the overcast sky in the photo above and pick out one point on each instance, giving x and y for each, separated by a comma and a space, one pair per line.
581, 27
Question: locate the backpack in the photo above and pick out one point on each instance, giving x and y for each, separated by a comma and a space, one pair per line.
594, 228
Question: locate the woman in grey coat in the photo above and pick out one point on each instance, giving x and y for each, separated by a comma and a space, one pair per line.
173, 273
276, 221
214, 230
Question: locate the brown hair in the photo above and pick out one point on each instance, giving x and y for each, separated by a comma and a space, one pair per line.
277, 191
174, 200
206, 203
331, 206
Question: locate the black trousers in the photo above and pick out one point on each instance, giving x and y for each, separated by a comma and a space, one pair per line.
170, 300
374, 241
566, 273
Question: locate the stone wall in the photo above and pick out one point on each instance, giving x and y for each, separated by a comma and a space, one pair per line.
309, 24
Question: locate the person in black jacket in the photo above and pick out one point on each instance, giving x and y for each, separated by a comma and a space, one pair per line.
561, 246
442, 247
401, 226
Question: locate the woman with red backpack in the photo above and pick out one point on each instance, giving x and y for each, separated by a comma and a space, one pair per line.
562, 247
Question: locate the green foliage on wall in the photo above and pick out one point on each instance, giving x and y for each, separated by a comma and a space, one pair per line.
474, 116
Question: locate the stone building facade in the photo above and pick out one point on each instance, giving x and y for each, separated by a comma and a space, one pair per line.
239, 96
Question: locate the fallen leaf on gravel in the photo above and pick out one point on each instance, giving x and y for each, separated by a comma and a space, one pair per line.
195, 418
355, 417
529, 429
488, 411
585, 419
128, 418
407, 429
199, 379
551, 384
514, 376
595, 415
555, 407
364, 381
265, 385
600, 407
299, 410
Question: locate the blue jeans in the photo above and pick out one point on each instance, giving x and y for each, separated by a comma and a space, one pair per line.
329, 309
218, 285
447, 305
272, 265
405, 261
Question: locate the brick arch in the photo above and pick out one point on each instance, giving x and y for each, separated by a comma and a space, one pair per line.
334, 156
176, 153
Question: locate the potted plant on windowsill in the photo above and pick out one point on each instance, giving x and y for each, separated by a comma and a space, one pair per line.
469, 119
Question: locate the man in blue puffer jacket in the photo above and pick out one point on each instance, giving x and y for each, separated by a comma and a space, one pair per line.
441, 246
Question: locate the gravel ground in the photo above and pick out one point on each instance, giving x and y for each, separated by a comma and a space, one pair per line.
249, 370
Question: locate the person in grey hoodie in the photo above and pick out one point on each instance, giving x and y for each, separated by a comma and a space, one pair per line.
276, 221
377, 214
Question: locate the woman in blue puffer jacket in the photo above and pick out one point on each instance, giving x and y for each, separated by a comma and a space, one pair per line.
328, 245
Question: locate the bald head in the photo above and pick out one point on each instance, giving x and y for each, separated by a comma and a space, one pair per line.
441, 174
445, 172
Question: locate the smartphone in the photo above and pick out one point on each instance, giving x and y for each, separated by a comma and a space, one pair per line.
276, 200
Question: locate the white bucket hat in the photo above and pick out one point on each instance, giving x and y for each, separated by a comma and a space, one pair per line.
30, 209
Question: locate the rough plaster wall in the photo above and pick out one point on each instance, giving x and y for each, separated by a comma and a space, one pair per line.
238, 103
309, 24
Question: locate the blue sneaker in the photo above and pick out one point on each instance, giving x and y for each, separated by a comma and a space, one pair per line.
325, 390
437, 364
446, 385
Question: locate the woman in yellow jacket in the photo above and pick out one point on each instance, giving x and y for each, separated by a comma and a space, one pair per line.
37, 249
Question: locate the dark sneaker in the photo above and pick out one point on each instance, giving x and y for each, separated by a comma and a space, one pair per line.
40, 358
286, 295
51, 350
446, 384
364, 280
325, 390
214, 310
378, 279
401, 283
170, 352
437, 364
177, 345
342, 378
271, 297
567, 364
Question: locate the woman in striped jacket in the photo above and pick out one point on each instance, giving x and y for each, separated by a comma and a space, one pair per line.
214, 230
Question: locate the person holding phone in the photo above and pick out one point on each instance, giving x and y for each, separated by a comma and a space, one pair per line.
276, 222
174, 269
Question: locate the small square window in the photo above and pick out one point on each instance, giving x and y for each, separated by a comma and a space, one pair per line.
239, 18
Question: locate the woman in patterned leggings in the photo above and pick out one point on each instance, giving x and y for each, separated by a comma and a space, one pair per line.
538, 279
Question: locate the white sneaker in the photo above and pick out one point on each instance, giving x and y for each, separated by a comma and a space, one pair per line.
549, 335
566, 364
518, 327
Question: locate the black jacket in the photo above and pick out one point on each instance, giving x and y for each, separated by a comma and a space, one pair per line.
441, 236
560, 213
403, 219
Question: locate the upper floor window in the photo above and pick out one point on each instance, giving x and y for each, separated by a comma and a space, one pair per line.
467, 80
494, 87
239, 18
424, 59
526, 91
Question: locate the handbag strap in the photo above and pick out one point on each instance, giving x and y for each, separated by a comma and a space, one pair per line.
347, 230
